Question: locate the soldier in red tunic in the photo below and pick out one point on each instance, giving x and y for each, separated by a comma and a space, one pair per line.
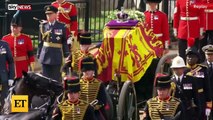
188, 22
21, 46
158, 22
208, 27
67, 14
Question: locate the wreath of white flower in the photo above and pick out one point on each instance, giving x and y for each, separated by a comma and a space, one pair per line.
133, 14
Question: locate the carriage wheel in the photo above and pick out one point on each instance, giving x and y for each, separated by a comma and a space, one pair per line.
161, 67
127, 105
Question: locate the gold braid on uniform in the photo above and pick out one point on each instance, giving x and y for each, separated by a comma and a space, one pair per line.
89, 90
63, 12
193, 71
46, 34
61, 9
76, 55
166, 108
172, 89
71, 111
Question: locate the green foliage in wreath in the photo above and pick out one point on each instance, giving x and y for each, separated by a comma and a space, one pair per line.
133, 14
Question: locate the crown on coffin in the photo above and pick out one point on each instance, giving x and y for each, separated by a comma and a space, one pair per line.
122, 16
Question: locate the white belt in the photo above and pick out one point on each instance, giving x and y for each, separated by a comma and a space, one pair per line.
209, 11
159, 35
188, 18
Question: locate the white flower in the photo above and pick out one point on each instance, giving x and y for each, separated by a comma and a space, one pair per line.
133, 14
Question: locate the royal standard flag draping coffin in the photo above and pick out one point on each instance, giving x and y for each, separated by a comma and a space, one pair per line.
128, 48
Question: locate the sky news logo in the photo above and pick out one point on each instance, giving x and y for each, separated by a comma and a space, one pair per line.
19, 7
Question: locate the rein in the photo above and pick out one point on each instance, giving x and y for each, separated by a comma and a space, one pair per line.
45, 104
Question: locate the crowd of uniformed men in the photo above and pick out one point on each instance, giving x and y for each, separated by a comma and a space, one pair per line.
186, 95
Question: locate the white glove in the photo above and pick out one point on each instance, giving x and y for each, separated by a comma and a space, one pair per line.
69, 40
10, 82
175, 32
166, 44
201, 31
208, 111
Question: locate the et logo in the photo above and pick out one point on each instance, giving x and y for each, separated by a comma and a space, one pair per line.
19, 103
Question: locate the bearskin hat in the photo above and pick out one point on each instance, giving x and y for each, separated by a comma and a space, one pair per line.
16, 20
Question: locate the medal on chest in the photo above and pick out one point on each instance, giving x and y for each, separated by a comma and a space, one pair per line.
156, 17
20, 41
187, 86
67, 10
58, 31
78, 110
58, 38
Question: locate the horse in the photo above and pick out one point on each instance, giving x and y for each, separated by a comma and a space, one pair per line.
33, 84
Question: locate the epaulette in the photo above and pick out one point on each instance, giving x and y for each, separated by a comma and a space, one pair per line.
146, 11
189, 73
65, 2
202, 65
62, 103
197, 68
70, 3
153, 99
61, 23
25, 34
6, 35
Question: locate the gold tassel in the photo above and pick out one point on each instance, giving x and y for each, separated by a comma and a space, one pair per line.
172, 89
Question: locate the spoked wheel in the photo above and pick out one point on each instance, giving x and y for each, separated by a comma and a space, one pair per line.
161, 64
127, 105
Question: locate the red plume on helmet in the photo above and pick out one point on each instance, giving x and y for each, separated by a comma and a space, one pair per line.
190, 42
